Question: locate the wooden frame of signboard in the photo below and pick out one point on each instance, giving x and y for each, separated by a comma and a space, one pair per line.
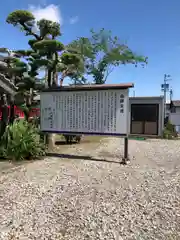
87, 109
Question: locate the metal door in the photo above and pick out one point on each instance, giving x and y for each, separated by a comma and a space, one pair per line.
144, 119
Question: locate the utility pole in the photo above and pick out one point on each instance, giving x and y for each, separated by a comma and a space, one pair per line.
171, 94
171, 102
165, 89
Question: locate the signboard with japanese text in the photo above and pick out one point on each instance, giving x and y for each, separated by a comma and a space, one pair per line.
101, 112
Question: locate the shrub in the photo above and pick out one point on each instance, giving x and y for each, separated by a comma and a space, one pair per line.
169, 131
21, 141
2, 151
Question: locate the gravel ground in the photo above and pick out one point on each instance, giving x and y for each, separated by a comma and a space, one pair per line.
71, 199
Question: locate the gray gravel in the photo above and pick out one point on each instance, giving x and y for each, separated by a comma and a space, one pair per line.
60, 198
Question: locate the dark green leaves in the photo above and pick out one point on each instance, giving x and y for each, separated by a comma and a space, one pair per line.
31, 42
101, 52
20, 17
47, 27
23, 53
49, 46
69, 58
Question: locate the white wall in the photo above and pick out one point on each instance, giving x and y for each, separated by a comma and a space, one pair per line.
177, 109
175, 118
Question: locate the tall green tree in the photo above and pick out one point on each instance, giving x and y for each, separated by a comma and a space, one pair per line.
23, 75
10, 67
51, 53
102, 52
28, 83
45, 49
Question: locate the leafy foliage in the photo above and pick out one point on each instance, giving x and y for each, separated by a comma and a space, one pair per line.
45, 48
23, 53
68, 58
96, 56
31, 42
21, 141
50, 46
169, 131
47, 28
102, 52
78, 79
20, 17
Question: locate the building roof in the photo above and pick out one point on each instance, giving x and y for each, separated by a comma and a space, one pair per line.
147, 97
176, 103
90, 87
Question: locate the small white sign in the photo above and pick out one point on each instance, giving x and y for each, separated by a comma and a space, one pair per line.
103, 112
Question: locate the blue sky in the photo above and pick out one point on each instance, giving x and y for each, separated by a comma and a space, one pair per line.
150, 28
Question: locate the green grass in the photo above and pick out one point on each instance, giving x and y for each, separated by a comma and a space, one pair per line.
92, 138
137, 138
59, 137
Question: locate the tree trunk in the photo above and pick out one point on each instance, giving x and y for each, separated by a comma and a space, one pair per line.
55, 79
4, 120
12, 111
28, 103
64, 74
26, 114
61, 82
49, 75
26, 109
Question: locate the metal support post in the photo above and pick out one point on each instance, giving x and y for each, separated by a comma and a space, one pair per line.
125, 158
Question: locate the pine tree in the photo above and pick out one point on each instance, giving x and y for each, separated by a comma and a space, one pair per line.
50, 52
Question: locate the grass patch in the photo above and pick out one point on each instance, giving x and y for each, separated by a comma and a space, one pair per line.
59, 137
92, 138
137, 138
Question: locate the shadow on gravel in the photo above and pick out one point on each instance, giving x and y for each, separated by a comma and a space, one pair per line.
4, 160
59, 143
88, 158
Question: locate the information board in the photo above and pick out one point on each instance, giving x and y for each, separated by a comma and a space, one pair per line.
85, 112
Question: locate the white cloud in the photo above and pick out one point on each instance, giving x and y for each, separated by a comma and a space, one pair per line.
74, 20
51, 12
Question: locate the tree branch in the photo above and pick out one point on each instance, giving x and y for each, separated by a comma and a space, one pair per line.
108, 72
26, 28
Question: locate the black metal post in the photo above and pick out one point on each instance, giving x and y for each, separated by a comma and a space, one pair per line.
125, 158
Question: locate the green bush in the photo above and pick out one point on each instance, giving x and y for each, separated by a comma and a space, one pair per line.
167, 134
169, 131
21, 141
2, 151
